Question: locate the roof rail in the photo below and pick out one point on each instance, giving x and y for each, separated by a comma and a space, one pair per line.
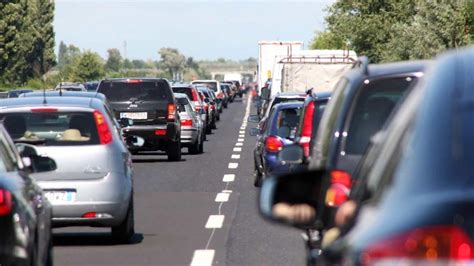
363, 63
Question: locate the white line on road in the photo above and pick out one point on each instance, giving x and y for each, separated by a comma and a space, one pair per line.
203, 257
239, 144
235, 156
237, 149
215, 221
242, 132
240, 140
242, 136
227, 191
222, 197
233, 165
228, 178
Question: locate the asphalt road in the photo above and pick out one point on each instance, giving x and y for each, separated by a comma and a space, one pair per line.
195, 211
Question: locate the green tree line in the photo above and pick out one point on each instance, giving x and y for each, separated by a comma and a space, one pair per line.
386, 30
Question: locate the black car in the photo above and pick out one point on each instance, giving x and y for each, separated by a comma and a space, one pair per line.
150, 103
25, 213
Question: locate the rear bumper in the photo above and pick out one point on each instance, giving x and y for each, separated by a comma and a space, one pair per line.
149, 132
189, 135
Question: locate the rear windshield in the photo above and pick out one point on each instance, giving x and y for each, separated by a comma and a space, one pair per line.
52, 129
186, 91
287, 122
211, 85
145, 91
284, 100
372, 109
184, 105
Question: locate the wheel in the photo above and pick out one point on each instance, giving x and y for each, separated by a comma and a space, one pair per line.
204, 133
50, 257
258, 178
174, 151
194, 148
218, 117
124, 232
214, 126
201, 146
209, 130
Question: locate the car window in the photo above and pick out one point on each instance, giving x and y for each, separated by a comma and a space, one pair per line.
145, 91
186, 91
210, 84
7, 162
372, 108
53, 129
287, 121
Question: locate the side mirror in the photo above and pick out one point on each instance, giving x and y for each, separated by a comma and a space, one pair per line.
291, 199
253, 119
125, 122
292, 154
254, 131
34, 162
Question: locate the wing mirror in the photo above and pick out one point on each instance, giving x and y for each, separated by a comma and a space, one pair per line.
291, 199
292, 154
33, 162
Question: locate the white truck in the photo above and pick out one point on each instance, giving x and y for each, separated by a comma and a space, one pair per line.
269, 53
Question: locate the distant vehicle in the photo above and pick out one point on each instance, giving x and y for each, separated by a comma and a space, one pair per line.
233, 76
215, 86
210, 99
280, 98
17, 93
237, 88
69, 86
192, 133
92, 185
150, 103
198, 104
91, 85
25, 213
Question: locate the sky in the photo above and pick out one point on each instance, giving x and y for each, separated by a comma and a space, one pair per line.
200, 29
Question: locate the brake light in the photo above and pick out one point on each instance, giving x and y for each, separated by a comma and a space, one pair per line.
273, 144
133, 81
442, 244
44, 110
213, 107
195, 94
5, 202
307, 130
89, 215
105, 135
338, 191
160, 132
171, 111
220, 95
187, 122
197, 106
206, 108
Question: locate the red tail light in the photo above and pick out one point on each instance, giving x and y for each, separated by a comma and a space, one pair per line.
105, 135
220, 95
134, 81
44, 110
187, 122
171, 111
338, 192
213, 107
160, 132
197, 106
5, 202
206, 108
195, 95
273, 144
307, 131
441, 244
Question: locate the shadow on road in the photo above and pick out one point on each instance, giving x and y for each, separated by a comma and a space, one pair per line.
91, 239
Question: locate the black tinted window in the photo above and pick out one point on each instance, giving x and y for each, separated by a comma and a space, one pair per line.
211, 85
186, 91
146, 91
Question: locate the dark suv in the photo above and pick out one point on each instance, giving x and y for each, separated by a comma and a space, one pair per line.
150, 103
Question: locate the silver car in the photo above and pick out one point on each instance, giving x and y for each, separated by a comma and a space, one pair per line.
93, 184
192, 135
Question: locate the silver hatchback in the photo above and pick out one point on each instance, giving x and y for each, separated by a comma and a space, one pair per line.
192, 128
93, 184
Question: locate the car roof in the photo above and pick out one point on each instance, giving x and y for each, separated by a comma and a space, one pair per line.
320, 95
134, 78
82, 94
51, 101
376, 70
290, 94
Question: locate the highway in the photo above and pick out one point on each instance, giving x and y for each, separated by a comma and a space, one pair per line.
199, 211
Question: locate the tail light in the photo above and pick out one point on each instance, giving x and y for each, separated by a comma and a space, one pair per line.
307, 130
206, 107
213, 107
171, 111
5, 202
105, 135
273, 144
195, 95
220, 95
187, 122
89, 215
197, 106
44, 110
440, 245
133, 81
339, 189
160, 132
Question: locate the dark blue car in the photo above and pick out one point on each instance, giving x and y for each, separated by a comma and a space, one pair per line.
275, 133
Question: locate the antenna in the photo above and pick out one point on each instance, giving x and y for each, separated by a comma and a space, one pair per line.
44, 90
60, 88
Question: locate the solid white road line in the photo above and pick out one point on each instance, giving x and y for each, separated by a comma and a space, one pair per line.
222, 197
215, 221
235, 156
228, 178
233, 165
203, 257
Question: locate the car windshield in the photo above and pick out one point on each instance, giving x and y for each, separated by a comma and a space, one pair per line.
125, 91
52, 129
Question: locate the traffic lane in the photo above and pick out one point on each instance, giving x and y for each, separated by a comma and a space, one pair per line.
253, 240
173, 201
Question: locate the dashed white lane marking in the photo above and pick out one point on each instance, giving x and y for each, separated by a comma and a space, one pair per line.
222, 197
203, 257
215, 221
242, 132
227, 191
242, 136
228, 178
240, 140
233, 165
237, 149
239, 144
235, 156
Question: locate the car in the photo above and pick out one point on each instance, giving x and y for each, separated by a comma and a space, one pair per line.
150, 103
214, 86
16, 93
278, 132
91, 85
210, 118
197, 102
280, 98
25, 213
238, 88
192, 132
70, 86
227, 89
211, 100
233, 89
93, 183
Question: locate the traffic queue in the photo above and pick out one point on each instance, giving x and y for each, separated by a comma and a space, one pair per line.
377, 170
66, 155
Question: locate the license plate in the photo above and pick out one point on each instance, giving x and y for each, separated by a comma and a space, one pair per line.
60, 196
136, 115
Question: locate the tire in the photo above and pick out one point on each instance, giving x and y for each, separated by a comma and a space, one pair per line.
194, 148
214, 126
50, 256
201, 147
218, 117
124, 232
208, 130
258, 178
174, 151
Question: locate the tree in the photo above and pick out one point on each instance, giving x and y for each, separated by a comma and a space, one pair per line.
43, 57
62, 53
127, 64
114, 61
89, 66
327, 40
139, 64
173, 62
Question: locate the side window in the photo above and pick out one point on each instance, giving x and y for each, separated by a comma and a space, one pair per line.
7, 160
